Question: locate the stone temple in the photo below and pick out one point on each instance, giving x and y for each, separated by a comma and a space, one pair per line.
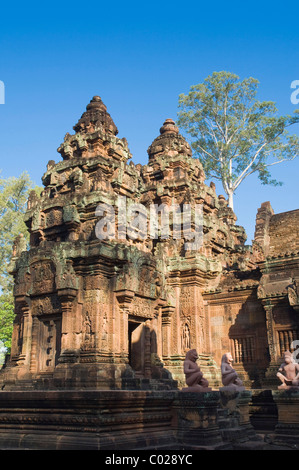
122, 312
119, 313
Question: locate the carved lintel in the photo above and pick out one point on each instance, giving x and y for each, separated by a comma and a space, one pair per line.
167, 312
159, 303
22, 301
124, 297
67, 295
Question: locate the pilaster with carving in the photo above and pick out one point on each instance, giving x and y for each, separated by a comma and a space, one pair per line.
273, 350
167, 315
124, 298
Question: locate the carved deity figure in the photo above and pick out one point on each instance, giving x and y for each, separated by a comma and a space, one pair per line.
194, 377
288, 373
293, 294
68, 278
185, 337
229, 376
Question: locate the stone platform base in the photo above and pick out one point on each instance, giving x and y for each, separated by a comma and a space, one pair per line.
263, 411
274, 414
287, 428
124, 420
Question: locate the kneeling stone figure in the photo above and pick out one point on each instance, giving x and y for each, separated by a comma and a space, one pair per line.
230, 378
194, 377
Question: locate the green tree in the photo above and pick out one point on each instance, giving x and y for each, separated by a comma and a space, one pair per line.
13, 197
234, 134
6, 321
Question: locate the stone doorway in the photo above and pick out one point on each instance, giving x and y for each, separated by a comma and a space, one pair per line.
137, 334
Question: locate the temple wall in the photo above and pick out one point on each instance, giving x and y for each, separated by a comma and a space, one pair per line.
284, 232
237, 325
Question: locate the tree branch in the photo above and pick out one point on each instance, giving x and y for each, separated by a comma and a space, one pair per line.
251, 163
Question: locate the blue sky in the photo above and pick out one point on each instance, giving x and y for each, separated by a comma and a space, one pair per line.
138, 57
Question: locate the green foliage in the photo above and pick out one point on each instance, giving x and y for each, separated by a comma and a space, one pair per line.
6, 319
13, 198
234, 134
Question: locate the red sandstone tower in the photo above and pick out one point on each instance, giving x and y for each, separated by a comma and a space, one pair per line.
121, 312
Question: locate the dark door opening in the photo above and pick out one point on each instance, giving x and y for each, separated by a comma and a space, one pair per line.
136, 346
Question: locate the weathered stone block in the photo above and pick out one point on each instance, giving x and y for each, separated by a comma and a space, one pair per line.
287, 428
195, 419
263, 411
234, 419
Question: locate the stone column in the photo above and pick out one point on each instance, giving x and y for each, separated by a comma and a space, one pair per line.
167, 313
273, 346
21, 342
27, 330
15, 352
147, 350
157, 342
34, 344
124, 298
68, 347
270, 376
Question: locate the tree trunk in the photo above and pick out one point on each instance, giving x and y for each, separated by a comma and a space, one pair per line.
231, 199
